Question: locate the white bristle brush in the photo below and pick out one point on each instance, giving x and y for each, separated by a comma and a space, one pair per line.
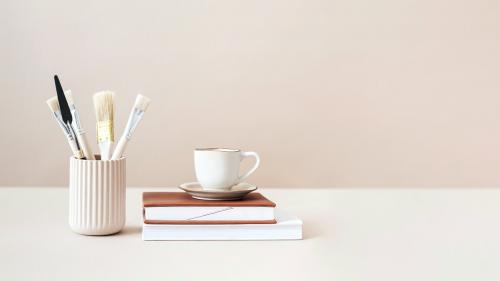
140, 106
77, 126
53, 104
104, 110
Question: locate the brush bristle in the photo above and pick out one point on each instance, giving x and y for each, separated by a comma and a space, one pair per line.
141, 102
53, 104
104, 105
69, 97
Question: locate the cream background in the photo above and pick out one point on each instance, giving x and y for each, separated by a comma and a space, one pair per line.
330, 93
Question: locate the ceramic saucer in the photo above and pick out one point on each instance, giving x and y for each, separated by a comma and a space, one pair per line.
236, 192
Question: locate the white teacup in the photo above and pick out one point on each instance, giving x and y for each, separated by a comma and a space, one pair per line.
219, 168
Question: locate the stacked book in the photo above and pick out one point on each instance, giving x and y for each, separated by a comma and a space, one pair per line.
177, 216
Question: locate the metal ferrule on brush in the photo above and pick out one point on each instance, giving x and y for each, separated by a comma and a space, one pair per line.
133, 120
63, 126
70, 135
105, 132
79, 152
76, 120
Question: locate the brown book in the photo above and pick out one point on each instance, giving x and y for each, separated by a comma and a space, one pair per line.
181, 208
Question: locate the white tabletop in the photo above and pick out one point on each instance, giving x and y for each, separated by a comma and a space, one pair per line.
349, 234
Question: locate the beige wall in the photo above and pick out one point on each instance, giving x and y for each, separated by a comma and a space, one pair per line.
330, 93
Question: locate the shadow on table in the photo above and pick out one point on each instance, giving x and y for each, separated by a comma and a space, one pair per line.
130, 230
311, 229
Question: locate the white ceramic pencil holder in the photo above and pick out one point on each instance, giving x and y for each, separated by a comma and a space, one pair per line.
97, 196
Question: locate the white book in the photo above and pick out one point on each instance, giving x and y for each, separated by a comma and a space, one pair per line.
287, 228
208, 213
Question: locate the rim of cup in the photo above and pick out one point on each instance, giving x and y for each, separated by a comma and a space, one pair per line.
218, 149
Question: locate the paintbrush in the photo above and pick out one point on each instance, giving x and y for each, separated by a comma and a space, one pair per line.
140, 106
67, 119
104, 110
54, 107
81, 136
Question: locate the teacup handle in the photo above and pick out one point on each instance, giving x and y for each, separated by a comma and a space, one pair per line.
245, 154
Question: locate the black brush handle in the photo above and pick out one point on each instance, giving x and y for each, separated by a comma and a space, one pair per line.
63, 103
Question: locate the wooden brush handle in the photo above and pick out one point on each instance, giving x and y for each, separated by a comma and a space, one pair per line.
87, 149
74, 148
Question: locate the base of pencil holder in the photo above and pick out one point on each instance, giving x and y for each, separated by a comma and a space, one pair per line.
97, 196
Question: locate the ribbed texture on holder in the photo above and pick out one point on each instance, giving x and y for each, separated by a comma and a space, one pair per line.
97, 196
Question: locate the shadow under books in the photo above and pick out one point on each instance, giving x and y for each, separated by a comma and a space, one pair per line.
311, 229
